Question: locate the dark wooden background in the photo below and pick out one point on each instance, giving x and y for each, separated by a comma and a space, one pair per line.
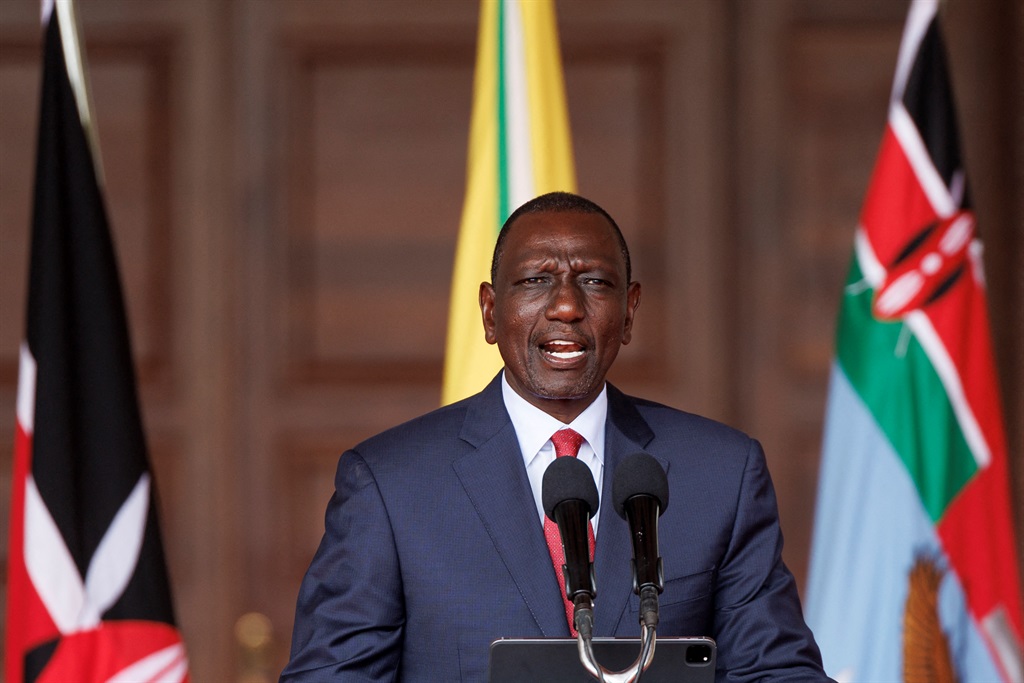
285, 179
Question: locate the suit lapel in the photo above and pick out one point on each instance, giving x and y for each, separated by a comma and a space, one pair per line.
626, 433
495, 480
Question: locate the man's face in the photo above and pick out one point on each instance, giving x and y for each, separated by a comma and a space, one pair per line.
559, 308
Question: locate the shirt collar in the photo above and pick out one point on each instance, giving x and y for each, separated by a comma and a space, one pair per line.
534, 427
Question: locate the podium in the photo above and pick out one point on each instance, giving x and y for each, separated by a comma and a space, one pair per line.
556, 660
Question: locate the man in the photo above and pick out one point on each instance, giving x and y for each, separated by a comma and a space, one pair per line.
434, 542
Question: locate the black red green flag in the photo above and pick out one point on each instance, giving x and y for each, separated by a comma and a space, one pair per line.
914, 571
88, 593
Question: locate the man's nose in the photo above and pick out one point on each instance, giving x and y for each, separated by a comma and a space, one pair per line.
566, 303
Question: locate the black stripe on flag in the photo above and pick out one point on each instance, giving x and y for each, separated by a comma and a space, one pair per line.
928, 99
88, 449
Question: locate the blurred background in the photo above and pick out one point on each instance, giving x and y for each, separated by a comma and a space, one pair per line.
285, 181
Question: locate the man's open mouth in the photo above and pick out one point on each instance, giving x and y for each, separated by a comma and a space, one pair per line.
562, 350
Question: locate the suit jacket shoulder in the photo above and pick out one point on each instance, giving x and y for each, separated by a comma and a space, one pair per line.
473, 421
677, 435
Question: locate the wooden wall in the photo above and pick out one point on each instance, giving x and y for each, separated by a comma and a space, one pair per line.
285, 179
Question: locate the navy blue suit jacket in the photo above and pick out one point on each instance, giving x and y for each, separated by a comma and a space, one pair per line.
433, 549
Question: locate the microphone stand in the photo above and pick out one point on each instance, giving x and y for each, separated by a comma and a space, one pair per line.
583, 615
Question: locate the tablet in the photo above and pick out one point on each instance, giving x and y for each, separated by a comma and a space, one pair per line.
556, 660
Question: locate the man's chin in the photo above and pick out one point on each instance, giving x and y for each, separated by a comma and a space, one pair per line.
573, 392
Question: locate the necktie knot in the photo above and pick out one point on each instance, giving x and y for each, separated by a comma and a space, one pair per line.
567, 442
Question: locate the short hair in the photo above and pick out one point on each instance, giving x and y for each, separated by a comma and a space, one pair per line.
554, 202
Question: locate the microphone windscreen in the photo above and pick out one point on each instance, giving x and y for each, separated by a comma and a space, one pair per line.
639, 474
567, 479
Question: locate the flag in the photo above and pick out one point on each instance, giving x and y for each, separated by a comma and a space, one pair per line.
519, 148
913, 573
88, 597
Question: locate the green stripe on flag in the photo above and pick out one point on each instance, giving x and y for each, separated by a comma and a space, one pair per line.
906, 397
503, 198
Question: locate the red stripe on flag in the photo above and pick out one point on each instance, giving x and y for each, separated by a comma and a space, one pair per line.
960, 318
98, 654
34, 625
976, 529
895, 208
977, 535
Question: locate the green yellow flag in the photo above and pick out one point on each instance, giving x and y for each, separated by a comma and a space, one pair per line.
519, 147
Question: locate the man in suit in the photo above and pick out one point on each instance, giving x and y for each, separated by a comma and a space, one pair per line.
434, 543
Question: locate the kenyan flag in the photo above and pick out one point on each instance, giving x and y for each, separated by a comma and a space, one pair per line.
913, 571
88, 598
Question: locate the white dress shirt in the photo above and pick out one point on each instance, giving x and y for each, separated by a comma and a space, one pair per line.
534, 428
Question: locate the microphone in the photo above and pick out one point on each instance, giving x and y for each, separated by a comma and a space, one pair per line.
640, 496
570, 498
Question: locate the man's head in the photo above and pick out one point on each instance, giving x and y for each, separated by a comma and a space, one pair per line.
560, 303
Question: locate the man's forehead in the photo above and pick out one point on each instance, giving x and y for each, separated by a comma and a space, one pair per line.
557, 227
562, 216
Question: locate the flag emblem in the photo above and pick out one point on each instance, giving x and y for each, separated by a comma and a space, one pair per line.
927, 266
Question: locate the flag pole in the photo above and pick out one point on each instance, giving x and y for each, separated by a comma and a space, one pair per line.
75, 61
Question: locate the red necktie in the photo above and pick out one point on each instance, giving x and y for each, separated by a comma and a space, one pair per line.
567, 442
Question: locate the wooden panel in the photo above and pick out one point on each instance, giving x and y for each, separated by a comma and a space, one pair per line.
815, 122
837, 82
376, 173
168, 461
131, 91
304, 465
19, 118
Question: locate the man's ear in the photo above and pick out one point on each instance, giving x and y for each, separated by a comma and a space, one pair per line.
632, 303
487, 311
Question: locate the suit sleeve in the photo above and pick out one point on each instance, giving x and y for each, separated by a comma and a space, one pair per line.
350, 614
759, 624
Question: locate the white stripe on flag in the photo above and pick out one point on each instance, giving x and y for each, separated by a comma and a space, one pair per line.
920, 160
870, 266
26, 408
75, 605
918, 17
168, 665
51, 569
997, 625
517, 112
117, 555
935, 349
